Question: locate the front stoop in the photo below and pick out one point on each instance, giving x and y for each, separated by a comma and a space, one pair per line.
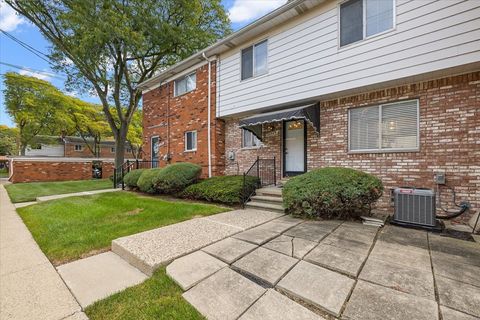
268, 198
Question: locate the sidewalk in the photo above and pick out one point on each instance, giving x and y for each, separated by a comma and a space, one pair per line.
30, 287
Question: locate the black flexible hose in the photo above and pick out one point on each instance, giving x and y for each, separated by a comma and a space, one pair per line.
464, 207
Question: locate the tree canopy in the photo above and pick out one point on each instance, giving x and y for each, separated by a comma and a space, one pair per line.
110, 46
8, 140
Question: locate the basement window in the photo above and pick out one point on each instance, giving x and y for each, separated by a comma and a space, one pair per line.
185, 84
384, 128
361, 19
191, 141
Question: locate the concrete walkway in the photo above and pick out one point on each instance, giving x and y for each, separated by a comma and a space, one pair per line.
75, 194
30, 287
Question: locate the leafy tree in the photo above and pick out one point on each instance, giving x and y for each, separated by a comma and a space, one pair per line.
135, 134
8, 140
109, 46
37, 108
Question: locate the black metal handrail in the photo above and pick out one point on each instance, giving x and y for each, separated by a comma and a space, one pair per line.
265, 170
129, 165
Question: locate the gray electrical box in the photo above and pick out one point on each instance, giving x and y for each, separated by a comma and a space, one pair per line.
439, 177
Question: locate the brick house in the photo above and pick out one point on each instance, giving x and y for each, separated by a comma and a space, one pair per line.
392, 89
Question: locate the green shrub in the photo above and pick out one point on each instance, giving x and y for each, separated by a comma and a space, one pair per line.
225, 189
146, 181
332, 193
131, 178
176, 177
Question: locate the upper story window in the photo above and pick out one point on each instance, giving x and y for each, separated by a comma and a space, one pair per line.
387, 127
254, 60
249, 140
185, 84
190, 140
78, 147
360, 19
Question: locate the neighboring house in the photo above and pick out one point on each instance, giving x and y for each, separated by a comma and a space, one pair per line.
389, 87
75, 147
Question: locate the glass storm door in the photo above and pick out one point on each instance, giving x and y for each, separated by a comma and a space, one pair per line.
294, 147
155, 151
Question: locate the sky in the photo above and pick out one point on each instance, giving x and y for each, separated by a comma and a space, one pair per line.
19, 59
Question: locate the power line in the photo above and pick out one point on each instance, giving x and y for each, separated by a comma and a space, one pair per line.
36, 52
52, 75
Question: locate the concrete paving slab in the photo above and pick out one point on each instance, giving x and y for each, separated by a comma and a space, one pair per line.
360, 247
77, 316
335, 258
450, 267
189, 270
373, 302
99, 276
75, 194
459, 296
408, 256
229, 250
318, 286
13, 234
35, 293
359, 226
281, 224
266, 265
404, 236
396, 276
256, 235
24, 204
450, 314
224, 296
312, 230
244, 219
355, 234
273, 306
149, 250
20, 256
293, 247
467, 251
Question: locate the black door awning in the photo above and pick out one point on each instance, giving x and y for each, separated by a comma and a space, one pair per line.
309, 112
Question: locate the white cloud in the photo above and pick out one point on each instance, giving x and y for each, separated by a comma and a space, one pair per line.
248, 10
9, 19
38, 75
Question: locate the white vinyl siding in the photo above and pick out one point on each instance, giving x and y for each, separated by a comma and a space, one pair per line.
185, 84
305, 62
191, 141
249, 140
386, 127
254, 60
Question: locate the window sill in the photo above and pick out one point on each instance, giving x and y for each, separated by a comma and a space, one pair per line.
194, 150
250, 148
254, 77
384, 151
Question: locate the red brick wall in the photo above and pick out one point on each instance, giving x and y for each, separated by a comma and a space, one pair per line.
170, 117
105, 152
449, 138
56, 170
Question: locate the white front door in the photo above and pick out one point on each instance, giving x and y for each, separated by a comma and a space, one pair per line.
294, 147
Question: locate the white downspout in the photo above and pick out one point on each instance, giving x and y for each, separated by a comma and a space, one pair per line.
209, 106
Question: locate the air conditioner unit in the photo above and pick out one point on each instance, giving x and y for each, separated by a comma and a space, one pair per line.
415, 207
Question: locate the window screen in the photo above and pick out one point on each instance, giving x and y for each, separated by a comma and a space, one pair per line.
247, 63
379, 16
185, 84
260, 60
351, 22
190, 140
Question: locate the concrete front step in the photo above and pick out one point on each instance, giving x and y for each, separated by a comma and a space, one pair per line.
265, 206
269, 192
268, 199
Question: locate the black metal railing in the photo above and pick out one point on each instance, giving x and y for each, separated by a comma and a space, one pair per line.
266, 172
129, 165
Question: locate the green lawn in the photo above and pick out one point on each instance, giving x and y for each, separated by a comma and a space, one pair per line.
23, 192
157, 298
70, 228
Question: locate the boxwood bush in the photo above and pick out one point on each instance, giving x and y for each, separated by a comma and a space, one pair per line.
146, 180
176, 177
131, 178
223, 189
332, 193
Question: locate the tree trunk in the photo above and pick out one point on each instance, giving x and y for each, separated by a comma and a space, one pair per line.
120, 145
23, 150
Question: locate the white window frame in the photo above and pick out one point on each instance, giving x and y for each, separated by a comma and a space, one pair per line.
112, 149
254, 74
380, 149
79, 149
182, 78
253, 137
185, 140
364, 26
